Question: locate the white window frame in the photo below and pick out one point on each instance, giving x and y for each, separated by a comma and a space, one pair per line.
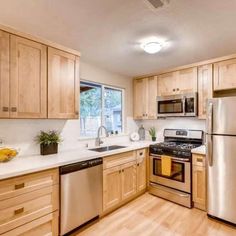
103, 86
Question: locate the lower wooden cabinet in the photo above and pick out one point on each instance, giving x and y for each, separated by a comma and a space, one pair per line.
125, 180
199, 182
29, 204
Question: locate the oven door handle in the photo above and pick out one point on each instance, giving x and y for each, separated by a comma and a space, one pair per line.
173, 158
170, 191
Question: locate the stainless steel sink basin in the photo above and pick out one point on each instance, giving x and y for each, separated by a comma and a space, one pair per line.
107, 148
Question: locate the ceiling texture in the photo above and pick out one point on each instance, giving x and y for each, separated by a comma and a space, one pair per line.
108, 33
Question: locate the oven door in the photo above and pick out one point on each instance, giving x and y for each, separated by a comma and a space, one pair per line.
180, 177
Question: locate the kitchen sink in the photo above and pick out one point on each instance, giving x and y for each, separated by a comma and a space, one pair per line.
107, 148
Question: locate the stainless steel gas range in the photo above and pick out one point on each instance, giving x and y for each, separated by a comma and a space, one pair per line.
177, 145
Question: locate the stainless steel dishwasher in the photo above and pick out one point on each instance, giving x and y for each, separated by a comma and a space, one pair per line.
81, 193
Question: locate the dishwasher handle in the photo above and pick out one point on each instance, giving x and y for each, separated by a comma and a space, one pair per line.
80, 166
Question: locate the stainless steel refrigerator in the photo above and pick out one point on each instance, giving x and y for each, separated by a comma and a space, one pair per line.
221, 158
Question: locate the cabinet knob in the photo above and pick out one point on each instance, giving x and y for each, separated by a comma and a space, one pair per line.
119, 171
13, 109
5, 109
173, 90
177, 89
76, 112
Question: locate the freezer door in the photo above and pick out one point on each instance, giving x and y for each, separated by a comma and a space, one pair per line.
221, 115
221, 177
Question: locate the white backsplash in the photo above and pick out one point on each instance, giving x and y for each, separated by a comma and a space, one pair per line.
171, 123
21, 134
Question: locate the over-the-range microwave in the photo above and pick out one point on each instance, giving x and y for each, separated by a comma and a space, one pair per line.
177, 105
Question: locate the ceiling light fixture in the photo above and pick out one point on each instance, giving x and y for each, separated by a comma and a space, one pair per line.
152, 47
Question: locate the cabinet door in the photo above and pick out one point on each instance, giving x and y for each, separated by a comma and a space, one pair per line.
140, 98
166, 84
204, 88
4, 74
129, 180
28, 79
63, 84
152, 97
199, 187
111, 187
186, 81
141, 173
224, 75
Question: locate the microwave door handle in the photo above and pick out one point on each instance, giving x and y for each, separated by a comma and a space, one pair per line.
184, 105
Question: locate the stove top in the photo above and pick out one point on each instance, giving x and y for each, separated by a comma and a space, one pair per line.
178, 143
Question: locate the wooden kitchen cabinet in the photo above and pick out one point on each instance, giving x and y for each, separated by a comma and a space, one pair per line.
28, 78
124, 177
141, 170
128, 180
205, 76
199, 181
145, 92
224, 75
63, 84
29, 204
4, 74
111, 187
166, 84
178, 82
186, 81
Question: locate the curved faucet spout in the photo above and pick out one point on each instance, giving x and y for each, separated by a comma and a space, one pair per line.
98, 140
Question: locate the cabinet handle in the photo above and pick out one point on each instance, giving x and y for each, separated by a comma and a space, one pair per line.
122, 170
173, 90
5, 109
76, 112
199, 160
19, 211
138, 164
19, 186
119, 171
13, 109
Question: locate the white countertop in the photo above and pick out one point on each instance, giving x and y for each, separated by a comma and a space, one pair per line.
29, 164
199, 150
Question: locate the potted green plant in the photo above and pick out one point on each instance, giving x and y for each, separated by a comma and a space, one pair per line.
152, 132
48, 142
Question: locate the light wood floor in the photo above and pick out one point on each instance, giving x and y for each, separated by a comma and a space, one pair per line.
152, 216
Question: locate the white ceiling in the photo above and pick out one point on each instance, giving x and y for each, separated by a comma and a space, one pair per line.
108, 32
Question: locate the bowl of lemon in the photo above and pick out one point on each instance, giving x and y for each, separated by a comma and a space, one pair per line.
6, 154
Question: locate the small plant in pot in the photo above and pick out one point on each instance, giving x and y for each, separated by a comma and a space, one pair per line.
152, 132
48, 142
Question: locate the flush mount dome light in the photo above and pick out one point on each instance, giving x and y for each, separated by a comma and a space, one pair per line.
151, 47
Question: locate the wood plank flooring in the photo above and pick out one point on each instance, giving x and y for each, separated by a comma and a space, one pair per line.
152, 216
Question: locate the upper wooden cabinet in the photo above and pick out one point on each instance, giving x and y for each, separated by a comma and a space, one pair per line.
4, 74
166, 84
145, 93
63, 84
186, 81
225, 75
204, 88
178, 82
28, 79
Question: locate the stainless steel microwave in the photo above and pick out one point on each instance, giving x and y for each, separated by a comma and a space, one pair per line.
177, 105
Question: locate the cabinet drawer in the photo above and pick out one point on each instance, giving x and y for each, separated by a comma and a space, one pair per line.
141, 153
44, 226
119, 159
24, 208
24, 184
199, 160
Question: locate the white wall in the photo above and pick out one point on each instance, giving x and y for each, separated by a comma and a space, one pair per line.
21, 133
172, 123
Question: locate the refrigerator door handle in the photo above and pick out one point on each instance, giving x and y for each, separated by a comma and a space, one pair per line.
210, 118
209, 150
184, 104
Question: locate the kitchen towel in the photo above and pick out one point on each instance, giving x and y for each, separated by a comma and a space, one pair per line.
166, 165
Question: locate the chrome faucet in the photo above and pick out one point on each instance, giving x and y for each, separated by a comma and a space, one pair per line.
98, 140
